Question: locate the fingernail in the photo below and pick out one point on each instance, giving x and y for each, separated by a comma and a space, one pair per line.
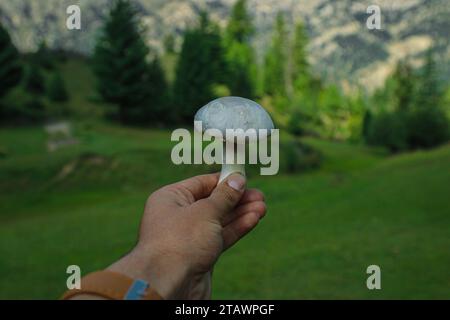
236, 181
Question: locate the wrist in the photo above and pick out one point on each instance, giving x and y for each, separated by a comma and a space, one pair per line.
166, 275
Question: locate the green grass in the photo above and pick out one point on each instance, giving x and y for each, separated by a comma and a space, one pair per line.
322, 230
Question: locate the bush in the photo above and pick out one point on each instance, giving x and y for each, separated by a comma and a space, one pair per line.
296, 156
34, 110
418, 120
389, 130
427, 127
294, 125
366, 124
417, 128
19, 109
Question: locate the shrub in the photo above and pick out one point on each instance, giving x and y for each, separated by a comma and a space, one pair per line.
417, 128
367, 122
20, 109
389, 130
294, 125
427, 127
296, 156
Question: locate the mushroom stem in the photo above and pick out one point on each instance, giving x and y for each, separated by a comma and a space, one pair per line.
233, 167
228, 169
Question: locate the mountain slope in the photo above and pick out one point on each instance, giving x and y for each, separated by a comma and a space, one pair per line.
342, 48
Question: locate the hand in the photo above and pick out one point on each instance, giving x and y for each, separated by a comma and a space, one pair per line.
185, 228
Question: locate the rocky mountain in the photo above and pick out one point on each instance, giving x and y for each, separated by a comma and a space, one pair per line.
342, 48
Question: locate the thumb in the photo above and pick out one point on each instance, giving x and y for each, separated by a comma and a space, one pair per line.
227, 195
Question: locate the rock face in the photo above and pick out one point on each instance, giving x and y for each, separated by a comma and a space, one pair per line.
342, 47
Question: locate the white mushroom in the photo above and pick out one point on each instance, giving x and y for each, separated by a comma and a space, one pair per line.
234, 113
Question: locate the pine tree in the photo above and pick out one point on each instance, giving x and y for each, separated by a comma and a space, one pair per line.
299, 71
239, 53
275, 60
200, 66
120, 64
417, 120
301, 87
42, 56
10, 66
56, 89
33, 108
34, 80
158, 93
240, 28
428, 125
404, 86
429, 92
366, 124
169, 44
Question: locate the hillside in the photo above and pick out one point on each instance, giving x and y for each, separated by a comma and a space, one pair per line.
322, 229
342, 48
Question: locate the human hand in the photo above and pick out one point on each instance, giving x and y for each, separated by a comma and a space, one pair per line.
185, 228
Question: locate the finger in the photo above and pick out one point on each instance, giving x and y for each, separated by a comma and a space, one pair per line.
224, 197
239, 228
258, 207
251, 195
200, 186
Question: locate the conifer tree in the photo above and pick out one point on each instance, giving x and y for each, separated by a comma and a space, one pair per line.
429, 91
299, 71
10, 66
404, 86
120, 64
239, 53
275, 60
200, 66
366, 124
428, 125
56, 90
34, 80
169, 44
33, 108
158, 93
42, 56
240, 27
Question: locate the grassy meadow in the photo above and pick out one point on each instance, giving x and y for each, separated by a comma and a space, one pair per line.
82, 205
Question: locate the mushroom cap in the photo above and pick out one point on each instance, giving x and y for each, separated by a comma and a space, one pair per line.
233, 113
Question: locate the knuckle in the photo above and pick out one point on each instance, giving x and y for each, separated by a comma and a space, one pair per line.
156, 194
201, 186
150, 199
